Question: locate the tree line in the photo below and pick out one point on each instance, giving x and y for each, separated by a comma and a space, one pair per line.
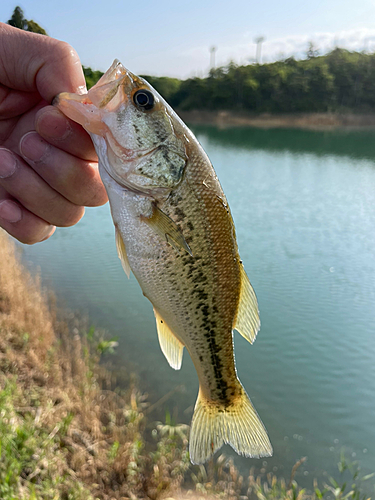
338, 81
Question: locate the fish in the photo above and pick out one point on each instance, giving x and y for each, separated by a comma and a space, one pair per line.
175, 233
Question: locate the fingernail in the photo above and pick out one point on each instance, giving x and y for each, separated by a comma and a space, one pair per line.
8, 163
53, 124
33, 147
82, 89
10, 211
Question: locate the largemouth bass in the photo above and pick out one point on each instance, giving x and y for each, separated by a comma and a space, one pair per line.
174, 231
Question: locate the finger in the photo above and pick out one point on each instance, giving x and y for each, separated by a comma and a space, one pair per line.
77, 180
16, 102
20, 223
20, 126
26, 186
33, 62
58, 130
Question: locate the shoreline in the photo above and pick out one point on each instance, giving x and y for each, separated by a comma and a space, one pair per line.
307, 121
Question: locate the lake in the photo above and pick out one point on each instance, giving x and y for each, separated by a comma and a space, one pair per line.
304, 207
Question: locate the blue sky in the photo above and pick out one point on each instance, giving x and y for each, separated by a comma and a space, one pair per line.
173, 38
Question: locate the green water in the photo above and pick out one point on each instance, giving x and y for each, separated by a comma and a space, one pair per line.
304, 208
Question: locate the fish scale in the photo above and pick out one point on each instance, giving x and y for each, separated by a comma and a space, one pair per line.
174, 231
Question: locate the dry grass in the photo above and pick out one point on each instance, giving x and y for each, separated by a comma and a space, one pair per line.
61, 387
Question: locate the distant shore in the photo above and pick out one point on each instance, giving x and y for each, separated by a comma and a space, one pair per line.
311, 121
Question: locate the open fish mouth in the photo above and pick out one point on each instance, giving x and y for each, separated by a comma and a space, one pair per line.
111, 92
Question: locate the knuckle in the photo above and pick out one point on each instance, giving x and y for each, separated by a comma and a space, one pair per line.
98, 198
71, 217
66, 51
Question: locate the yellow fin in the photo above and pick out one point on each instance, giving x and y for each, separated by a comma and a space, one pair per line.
237, 425
121, 252
165, 227
247, 321
171, 347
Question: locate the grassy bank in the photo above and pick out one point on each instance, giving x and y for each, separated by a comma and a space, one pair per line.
67, 432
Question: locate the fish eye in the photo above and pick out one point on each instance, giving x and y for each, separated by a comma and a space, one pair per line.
144, 99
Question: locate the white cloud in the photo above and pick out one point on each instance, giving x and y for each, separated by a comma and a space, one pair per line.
355, 39
242, 51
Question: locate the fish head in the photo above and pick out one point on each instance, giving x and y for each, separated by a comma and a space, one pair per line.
139, 139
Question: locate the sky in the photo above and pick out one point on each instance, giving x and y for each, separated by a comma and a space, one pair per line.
173, 38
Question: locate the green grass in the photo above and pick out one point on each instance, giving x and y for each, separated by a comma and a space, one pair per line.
33, 461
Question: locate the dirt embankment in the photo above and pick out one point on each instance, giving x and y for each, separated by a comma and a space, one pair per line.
312, 121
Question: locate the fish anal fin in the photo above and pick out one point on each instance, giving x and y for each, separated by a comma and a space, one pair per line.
247, 321
167, 229
171, 347
237, 424
121, 252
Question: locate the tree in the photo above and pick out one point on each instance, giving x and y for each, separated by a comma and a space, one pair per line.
19, 21
312, 51
35, 28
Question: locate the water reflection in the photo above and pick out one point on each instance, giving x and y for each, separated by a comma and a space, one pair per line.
355, 144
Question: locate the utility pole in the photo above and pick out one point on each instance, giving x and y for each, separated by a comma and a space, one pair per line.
212, 50
259, 40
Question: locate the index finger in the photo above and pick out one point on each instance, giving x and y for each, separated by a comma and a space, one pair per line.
33, 62
67, 135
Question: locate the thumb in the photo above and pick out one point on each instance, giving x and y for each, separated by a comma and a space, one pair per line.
32, 62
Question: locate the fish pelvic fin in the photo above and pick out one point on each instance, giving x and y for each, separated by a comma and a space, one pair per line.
171, 347
121, 252
247, 321
237, 425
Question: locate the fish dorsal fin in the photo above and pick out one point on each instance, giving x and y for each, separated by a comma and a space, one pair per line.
171, 347
121, 252
247, 321
167, 229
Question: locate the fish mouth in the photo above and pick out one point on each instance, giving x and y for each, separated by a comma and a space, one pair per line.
116, 77
117, 72
111, 91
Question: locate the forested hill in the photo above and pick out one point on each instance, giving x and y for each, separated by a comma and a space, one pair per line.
339, 81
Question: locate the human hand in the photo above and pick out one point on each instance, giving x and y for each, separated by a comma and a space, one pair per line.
48, 165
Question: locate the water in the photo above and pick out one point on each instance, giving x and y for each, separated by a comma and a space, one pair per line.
304, 208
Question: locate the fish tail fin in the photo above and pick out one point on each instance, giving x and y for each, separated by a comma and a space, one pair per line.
237, 424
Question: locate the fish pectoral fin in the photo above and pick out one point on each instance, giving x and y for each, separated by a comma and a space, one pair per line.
247, 321
237, 424
171, 347
121, 252
167, 229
